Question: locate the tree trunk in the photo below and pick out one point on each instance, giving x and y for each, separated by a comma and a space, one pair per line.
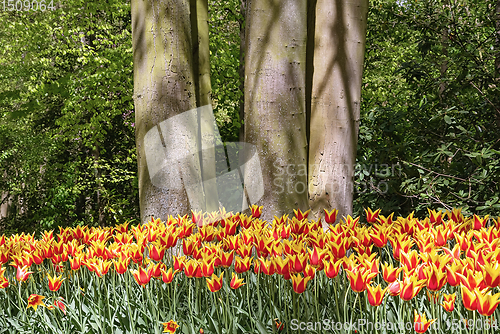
4, 205
340, 33
275, 120
241, 69
208, 132
4, 201
166, 121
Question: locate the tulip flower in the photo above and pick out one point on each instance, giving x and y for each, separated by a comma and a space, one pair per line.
121, 265
298, 262
207, 266
264, 266
231, 242
197, 218
156, 269
389, 273
479, 222
279, 325
135, 253
471, 279
55, 282
451, 274
339, 249
375, 294
491, 274
142, 276
332, 268
440, 260
179, 262
231, 226
22, 261
421, 324
410, 260
170, 327
37, 257
156, 251
394, 288
244, 250
331, 217
168, 276
282, 267
188, 246
22, 273
301, 215
371, 216
436, 278
425, 242
379, 237
245, 221
435, 217
60, 304
410, 287
293, 247
4, 255
487, 303
298, 226
226, 258
215, 283
440, 234
362, 237
3, 282
449, 302
400, 243
309, 271
316, 257
101, 267
242, 265
256, 211
359, 278
469, 298
299, 283
35, 301
236, 282
191, 267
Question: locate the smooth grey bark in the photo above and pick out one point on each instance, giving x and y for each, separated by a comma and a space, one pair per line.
274, 106
167, 137
241, 69
4, 205
208, 130
340, 34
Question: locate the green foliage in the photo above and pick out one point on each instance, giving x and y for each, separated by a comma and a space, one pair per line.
225, 22
428, 134
66, 125
430, 104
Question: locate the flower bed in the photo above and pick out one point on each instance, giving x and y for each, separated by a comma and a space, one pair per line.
225, 273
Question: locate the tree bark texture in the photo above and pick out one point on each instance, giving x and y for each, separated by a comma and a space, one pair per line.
167, 134
339, 44
275, 120
208, 130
